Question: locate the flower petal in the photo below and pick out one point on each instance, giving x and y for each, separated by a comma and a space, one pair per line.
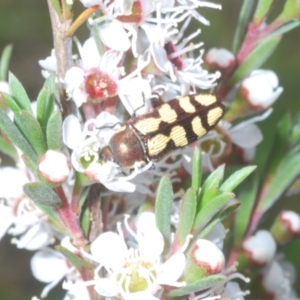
109, 250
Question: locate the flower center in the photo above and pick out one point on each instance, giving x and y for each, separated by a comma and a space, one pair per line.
88, 156
100, 86
136, 276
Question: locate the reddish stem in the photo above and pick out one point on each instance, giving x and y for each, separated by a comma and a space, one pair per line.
70, 220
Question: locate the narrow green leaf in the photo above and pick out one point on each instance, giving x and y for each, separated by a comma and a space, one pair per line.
280, 180
98, 41
209, 194
4, 61
53, 217
197, 170
11, 103
54, 131
19, 94
85, 221
284, 28
45, 102
262, 9
186, 217
213, 180
240, 30
247, 195
208, 211
256, 58
57, 7
236, 178
13, 133
32, 131
41, 193
7, 148
199, 285
76, 261
291, 10
163, 208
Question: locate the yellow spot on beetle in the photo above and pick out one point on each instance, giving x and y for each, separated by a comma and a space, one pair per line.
198, 129
213, 115
157, 144
206, 99
167, 114
186, 105
148, 125
178, 135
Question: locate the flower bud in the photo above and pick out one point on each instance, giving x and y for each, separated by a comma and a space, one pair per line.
220, 58
261, 89
286, 227
205, 259
260, 248
4, 87
54, 167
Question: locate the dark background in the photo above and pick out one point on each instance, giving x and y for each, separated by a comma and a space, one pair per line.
26, 25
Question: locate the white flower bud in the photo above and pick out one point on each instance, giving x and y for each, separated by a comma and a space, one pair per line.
286, 227
261, 89
220, 58
260, 248
54, 166
205, 259
4, 87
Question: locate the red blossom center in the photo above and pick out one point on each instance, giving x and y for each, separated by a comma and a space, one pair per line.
99, 85
136, 15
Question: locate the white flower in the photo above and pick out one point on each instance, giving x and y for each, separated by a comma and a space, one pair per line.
96, 77
49, 266
49, 64
19, 216
135, 272
278, 278
261, 89
260, 248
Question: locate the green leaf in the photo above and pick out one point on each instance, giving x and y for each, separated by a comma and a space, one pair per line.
85, 221
163, 208
186, 217
241, 27
11, 103
236, 178
279, 180
4, 62
262, 9
19, 94
7, 148
41, 193
283, 28
57, 7
32, 131
212, 207
197, 170
54, 131
256, 58
45, 102
199, 285
13, 133
247, 195
213, 180
97, 39
76, 261
291, 10
209, 194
